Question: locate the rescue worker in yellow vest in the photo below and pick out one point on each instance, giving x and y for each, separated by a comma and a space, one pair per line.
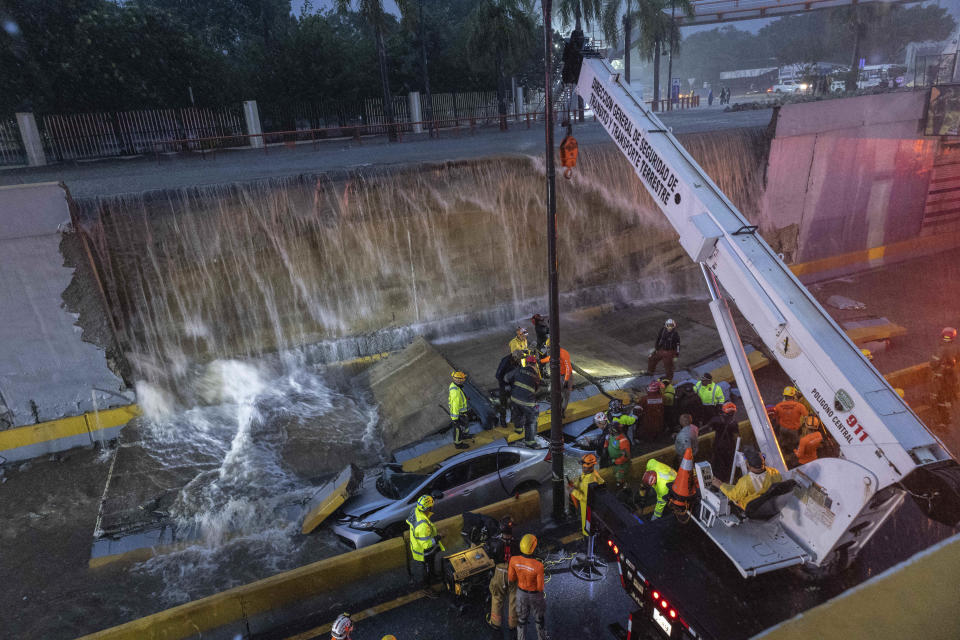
527, 572
580, 487
424, 541
753, 485
669, 393
711, 397
501, 549
618, 448
659, 476
519, 342
459, 408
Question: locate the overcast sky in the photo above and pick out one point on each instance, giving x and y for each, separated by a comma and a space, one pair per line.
744, 25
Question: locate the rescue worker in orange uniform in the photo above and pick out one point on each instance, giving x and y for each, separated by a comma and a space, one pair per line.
566, 374
527, 572
810, 440
502, 548
789, 414
618, 448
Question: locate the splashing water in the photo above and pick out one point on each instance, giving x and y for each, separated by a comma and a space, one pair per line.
241, 511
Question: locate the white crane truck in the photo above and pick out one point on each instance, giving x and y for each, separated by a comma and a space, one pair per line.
835, 505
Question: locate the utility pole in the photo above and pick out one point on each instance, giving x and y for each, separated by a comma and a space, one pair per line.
670, 64
556, 419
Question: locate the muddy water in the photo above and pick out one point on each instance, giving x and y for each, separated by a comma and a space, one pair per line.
229, 300
250, 269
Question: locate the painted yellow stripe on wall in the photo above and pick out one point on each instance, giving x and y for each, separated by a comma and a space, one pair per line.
903, 248
67, 427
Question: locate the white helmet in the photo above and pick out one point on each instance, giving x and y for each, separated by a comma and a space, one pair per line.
600, 418
670, 323
342, 627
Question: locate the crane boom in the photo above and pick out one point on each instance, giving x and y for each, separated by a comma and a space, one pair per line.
885, 448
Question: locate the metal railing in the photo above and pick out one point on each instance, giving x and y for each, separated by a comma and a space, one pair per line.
11, 144
98, 135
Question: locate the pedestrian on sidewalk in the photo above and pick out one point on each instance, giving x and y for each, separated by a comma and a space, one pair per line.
666, 348
527, 572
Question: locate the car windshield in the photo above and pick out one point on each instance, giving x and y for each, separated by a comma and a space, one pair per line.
396, 484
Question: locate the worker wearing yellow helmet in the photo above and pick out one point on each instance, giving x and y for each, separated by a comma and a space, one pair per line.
424, 540
527, 572
459, 408
789, 417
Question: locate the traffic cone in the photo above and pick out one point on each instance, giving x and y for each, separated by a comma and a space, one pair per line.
684, 486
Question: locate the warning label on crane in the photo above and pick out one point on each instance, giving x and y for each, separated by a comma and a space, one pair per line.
631, 139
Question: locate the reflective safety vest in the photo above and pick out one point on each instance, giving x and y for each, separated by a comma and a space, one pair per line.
710, 394
618, 448
580, 492
669, 393
665, 475
523, 384
423, 534
458, 402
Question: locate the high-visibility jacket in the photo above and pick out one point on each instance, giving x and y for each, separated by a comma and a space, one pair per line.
519, 344
618, 448
566, 365
746, 490
523, 386
665, 475
580, 493
423, 534
526, 572
458, 402
623, 419
807, 449
710, 394
669, 393
790, 414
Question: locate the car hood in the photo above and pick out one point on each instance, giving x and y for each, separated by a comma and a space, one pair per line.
365, 501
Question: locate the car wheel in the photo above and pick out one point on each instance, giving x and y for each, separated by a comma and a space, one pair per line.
395, 530
523, 487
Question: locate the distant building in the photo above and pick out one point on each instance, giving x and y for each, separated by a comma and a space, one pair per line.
930, 63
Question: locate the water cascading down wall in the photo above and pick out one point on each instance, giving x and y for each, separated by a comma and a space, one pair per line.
363, 261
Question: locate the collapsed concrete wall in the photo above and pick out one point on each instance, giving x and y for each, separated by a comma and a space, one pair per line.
850, 174
47, 371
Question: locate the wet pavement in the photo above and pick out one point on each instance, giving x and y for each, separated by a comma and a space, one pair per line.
113, 176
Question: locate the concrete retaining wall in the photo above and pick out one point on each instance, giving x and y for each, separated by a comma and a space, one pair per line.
850, 174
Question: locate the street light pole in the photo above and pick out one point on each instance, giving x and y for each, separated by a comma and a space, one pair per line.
556, 419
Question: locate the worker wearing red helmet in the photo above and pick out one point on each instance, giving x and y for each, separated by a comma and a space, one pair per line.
725, 445
659, 476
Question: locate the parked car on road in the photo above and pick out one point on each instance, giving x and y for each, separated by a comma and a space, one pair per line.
466, 481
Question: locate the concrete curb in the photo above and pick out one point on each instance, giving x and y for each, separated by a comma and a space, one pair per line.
35, 440
231, 609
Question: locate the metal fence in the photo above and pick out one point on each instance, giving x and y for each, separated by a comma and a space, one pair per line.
934, 69
98, 135
11, 145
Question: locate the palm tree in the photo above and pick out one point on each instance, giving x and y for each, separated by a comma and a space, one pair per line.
413, 17
373, 14
621, 11
659, 29
501, 30
578, 9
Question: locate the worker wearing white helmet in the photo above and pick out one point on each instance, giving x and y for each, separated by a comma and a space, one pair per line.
666, 348
342, 627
